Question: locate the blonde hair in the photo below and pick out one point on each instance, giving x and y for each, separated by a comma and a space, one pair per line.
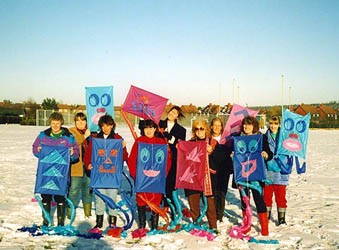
200, 123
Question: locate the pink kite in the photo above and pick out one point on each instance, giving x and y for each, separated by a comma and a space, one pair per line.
233, 124
144, 104
191, 165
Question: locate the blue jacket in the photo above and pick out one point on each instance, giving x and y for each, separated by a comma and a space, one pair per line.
273, 173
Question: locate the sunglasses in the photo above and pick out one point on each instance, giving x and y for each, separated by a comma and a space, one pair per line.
201, 129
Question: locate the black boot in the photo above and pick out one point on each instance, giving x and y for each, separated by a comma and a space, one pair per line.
142, 216
281, 216
47, 207
269, 209
154, 220
112, 220
99, 221
61, 209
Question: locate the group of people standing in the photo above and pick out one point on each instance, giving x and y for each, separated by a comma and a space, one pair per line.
217, 173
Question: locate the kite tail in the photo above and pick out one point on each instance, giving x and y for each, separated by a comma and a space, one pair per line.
157, 209
285, 169
46, 214
177, 204
204, 209
70, 204
238, 231
113, 205
129, 123
302, 169
130, 184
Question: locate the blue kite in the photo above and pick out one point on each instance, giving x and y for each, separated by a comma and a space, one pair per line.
151, 168
99, 101
53, 171
107, 162
293, 140
247, 160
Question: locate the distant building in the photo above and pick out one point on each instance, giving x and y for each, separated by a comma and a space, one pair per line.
327, 112
303, 109
189, 109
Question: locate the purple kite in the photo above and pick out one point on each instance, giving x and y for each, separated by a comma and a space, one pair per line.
233, 124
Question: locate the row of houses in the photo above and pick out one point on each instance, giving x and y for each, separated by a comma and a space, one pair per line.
317, 112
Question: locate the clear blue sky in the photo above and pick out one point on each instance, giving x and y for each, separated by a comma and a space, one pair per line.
182, 50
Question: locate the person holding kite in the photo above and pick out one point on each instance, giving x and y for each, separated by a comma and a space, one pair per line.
224, 167
250, 127
278, 181
80, 181
59, 136
107, 131
201, 132
173, 132
151, 175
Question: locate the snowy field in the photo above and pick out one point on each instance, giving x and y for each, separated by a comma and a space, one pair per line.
312, 213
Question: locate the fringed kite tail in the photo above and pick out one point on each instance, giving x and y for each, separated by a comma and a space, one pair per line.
70, 204
203, 211
46, 214
158, 210
302, 169
113, 205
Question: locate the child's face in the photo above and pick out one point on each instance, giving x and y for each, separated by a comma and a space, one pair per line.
56, 126
173, 115
248, 129
80, 124
216, 128
106, 128
149, 131
274, 126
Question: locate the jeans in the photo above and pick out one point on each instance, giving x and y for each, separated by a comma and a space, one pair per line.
80, 185
100, 205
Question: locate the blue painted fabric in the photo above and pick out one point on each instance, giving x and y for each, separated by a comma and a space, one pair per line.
99, 101
247, 160
53, 170
293, 134
107, 162
275, 174
151, 168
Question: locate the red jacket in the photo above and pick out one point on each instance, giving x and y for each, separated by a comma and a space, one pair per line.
88, 152
132, 166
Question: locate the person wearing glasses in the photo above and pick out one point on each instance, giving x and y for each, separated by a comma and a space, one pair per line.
173, 132
201, 132
279, 181
224, 168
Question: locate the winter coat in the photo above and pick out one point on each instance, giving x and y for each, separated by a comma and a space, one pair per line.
273, 171
77, 169
132, 166
179, 133
224, 164
66, 140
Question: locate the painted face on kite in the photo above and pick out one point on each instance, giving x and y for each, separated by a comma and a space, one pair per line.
248, 161
293, 134
151, 167
99, 101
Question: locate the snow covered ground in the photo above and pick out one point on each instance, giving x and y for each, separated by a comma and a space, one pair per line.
312, 214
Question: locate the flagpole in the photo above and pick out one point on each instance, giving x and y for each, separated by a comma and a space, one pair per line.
282, 94
233, 89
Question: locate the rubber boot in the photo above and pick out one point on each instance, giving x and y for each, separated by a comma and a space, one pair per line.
244, 216
269, 209
154, 220
61, 210
112, 220
88, 209
69, 213
99, 221
142, 216
263, 218
47, 207
281, 215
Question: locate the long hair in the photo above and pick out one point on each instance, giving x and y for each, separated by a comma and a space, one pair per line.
214, 120
203, 124
180, 113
